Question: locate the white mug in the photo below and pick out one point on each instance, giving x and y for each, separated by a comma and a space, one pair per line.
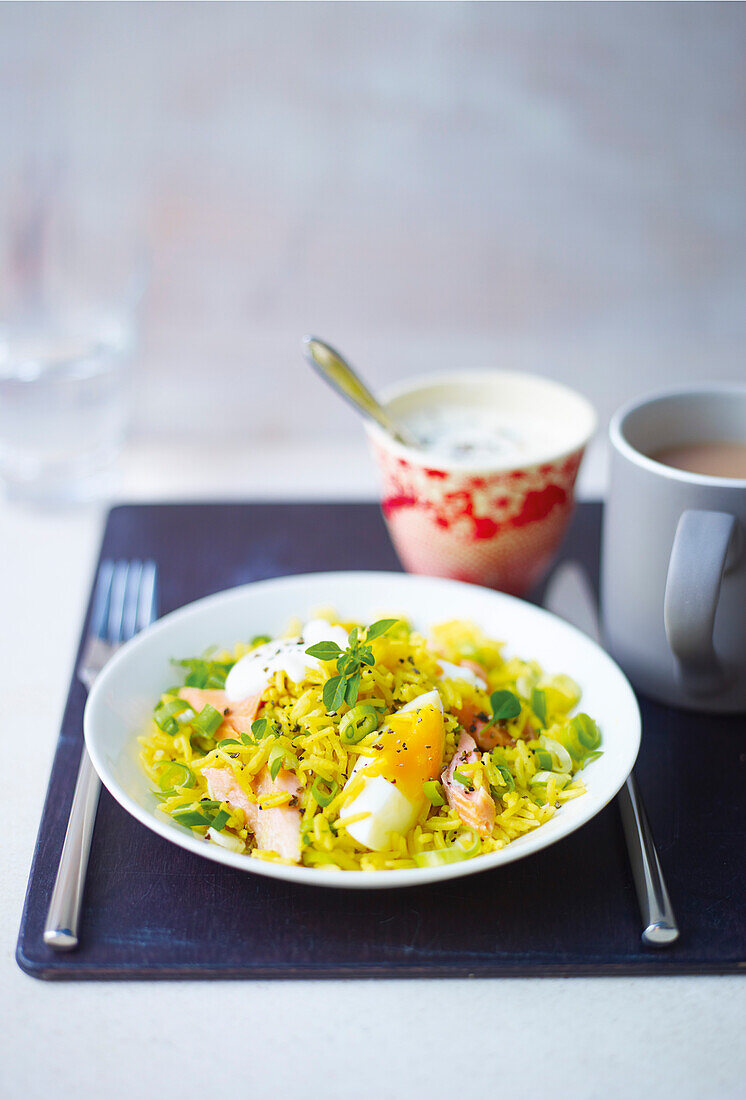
673, 566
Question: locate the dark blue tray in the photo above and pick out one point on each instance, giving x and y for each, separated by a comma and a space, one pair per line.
153, 910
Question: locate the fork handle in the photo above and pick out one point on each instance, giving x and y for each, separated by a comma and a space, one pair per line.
61, 929
658, 917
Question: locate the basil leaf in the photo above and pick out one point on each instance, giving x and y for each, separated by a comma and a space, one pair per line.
330, 691
262, 728
339, 694
375, 630
276, 757
325, 651
351, 690
505, 705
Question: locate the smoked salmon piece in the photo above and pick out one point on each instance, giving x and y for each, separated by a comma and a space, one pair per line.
475, 721
476, 808
276, 829
238, 715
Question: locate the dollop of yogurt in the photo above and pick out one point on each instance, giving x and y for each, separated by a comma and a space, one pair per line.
251, 674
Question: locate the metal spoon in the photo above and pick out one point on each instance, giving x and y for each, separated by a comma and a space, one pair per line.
339, 374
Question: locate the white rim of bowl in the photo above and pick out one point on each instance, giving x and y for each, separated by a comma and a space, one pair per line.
621, 444
417, 457
309, 876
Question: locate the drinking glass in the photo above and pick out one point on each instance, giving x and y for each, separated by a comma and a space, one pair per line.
71, 278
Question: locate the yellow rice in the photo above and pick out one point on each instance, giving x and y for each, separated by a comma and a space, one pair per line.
406, 666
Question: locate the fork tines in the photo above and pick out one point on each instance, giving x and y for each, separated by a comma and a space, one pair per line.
124, 601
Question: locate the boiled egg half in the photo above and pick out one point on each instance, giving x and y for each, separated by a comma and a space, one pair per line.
411, 745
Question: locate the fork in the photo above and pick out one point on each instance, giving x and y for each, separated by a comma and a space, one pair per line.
124, 602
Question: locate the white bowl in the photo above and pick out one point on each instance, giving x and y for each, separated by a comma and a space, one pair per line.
122, 700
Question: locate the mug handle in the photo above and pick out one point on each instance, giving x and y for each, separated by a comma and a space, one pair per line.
704, 548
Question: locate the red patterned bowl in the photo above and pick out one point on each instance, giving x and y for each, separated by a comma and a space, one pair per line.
497, 525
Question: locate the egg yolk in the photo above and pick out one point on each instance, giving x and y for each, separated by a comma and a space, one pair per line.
411, 750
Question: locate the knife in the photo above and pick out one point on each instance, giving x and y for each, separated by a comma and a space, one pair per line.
569, 595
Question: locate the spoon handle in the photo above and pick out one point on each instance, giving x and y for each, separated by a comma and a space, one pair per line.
339, 374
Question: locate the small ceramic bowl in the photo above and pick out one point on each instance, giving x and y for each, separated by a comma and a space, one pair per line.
498, 525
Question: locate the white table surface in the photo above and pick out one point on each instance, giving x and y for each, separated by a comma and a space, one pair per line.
580, 1037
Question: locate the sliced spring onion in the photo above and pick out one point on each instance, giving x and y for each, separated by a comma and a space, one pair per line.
586, 731
505, 773
591, 757
166, 714
542, 778
564, 760
323, 792
260, 639
275, 759
358, 723
193, 819
539, 705
464, 780
208, 721
433, 792
580, 736
226, 840
206, 812
175, 777
205, 674
220, 820
465, 847
544, 759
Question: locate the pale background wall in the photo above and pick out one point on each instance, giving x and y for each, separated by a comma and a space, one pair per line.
556, 187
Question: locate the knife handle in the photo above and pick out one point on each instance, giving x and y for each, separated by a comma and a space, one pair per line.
658, 917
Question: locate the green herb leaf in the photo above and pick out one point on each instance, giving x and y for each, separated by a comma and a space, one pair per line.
325, 651
505, 705
227, 742
351, 690
375, 630
276, 757
339, 694
260, 639
330, 691
260, 728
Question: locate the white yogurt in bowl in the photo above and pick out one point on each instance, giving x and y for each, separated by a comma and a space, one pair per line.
487, 420
482, 436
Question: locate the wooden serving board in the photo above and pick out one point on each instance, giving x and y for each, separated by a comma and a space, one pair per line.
153, 910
